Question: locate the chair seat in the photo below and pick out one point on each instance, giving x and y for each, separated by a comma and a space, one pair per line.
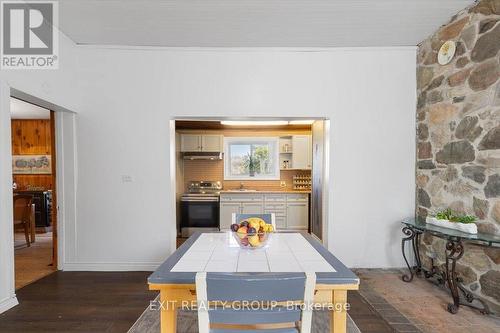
274, 330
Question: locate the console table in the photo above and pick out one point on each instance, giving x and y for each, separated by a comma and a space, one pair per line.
414, 228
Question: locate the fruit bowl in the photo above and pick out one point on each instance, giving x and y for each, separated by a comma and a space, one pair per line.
251, 241
251, 233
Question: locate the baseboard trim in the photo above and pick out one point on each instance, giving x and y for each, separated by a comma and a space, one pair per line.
8, 303
111, 266
316, 238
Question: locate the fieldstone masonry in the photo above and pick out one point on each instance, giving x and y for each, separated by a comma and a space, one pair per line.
458, 138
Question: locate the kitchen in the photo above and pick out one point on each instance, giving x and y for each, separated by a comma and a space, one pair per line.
249, 167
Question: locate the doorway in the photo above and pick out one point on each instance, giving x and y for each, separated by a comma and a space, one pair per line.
34, 191
64, 122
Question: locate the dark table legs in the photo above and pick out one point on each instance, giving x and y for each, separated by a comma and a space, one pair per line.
454, 251
413, 236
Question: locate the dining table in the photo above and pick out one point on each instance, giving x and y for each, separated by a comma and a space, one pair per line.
284, 252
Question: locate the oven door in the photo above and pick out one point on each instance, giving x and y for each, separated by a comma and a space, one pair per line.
199, 214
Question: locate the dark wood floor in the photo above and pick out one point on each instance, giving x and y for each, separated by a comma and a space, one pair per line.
111, 302
79, 302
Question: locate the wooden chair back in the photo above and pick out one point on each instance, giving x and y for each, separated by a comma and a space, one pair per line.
22, 208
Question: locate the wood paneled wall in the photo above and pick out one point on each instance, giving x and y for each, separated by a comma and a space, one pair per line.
31, 137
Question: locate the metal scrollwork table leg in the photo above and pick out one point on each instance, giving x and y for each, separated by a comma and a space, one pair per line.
454, 251
413, 236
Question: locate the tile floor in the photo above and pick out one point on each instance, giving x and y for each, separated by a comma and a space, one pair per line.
422, 304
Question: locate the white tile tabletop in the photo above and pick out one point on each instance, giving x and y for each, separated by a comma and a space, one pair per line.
284, 252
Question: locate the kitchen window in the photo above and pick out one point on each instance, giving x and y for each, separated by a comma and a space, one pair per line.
251, 158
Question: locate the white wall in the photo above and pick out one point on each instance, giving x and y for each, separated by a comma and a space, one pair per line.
130, 95
125, 99
7, 296
56, 87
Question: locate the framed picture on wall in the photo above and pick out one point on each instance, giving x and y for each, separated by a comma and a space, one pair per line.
31, 164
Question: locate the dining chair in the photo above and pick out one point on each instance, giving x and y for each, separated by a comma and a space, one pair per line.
269, 218
23, 214
294, 291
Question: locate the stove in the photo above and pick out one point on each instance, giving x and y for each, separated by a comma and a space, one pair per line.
202, 191
200, 207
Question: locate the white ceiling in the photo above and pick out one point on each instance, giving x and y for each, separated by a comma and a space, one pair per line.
255, 23
23, 110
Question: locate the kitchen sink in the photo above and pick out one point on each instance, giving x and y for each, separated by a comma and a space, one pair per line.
242, 190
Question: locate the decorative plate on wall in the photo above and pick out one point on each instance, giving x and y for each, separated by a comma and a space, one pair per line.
446, 52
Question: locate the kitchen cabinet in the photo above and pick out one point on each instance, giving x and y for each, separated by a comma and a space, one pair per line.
190, 142
198, 142
238, 203
276, 204
251, 208
212, 143
291, 210
297, 213
302, 152
227, 209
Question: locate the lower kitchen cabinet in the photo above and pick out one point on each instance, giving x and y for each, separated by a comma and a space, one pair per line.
227, 209
251, 208
297, 213
291, 210
238, 204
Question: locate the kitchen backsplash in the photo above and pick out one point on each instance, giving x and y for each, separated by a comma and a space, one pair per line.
214, 170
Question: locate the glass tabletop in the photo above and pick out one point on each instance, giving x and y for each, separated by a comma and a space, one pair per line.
451, 233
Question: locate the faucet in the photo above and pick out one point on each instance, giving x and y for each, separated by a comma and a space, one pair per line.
242, 186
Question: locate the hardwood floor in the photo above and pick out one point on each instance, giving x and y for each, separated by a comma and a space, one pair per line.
79, 302
111, 302
34, 262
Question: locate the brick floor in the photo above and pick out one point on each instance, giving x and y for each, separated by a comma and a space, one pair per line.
420, 303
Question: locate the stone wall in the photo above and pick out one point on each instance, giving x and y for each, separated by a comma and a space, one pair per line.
458, 138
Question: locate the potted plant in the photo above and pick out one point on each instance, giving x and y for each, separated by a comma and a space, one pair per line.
451, 220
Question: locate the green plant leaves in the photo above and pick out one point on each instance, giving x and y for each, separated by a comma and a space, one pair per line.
451, 216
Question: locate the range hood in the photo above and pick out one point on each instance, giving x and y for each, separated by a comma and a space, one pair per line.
202, 155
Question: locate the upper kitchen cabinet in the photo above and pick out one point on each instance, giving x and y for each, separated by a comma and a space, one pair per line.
190, 142
212, 143
197, 142
302, 152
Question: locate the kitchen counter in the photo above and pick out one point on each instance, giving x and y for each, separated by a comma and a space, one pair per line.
263, 191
